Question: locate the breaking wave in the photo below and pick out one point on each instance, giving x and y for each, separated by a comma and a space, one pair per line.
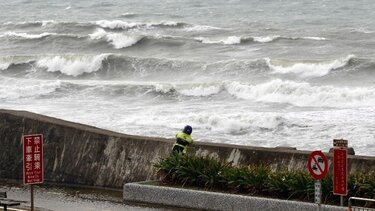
274, 91
26, 35
72, 67
119, 24
235, 40
308, 69
11, 89
232, 40
116, 65
42, 23
101, 67
303, 94
118, 40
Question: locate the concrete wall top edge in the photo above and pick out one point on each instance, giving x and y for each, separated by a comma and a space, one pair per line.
83, 127
56, 121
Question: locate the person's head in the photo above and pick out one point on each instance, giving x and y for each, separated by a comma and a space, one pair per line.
188, 129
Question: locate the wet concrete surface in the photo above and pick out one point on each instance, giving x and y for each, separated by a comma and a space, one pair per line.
62, 198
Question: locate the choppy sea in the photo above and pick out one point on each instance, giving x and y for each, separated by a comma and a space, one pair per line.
246, 72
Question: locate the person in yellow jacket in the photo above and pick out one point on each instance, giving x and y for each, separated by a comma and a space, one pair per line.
183, 140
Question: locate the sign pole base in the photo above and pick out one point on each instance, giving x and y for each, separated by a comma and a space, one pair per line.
318, 194
342, 201
32, 197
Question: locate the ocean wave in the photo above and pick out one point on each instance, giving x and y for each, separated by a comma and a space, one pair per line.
111, 66
4, 66
199, 28
26, 35
102, 66
237, 123
191, 90
42, 23
265, 39
7, 62
314, 38
118, 40
299, 94
72, 66
119, 24
11, 89
235, 40
303, 94
308, 69
231, 40
362, 30
55, 88
129, 15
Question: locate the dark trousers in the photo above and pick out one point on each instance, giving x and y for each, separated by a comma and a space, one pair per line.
177, 149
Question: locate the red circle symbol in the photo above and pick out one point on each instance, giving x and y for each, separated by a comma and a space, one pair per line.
317, 165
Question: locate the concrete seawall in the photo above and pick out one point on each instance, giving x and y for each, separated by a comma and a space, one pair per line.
81, 154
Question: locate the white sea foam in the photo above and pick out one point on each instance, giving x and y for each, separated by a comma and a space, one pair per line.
303, 94
118, 40
164, 88
363, 30
72, 65
315, 38
26, 35
43, 22
163, 23
200, 28
47, 22
234, 40
11, 89
128, 14
309, 69
117, 24
266, 38
193, 90
4, 66
231, 40
201, 90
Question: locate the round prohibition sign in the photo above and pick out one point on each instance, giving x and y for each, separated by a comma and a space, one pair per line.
318, 165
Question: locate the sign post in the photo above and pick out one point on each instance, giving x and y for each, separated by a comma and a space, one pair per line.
33, 172
318, 168
340, 169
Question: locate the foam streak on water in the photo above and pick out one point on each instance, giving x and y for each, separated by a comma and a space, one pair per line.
240, 72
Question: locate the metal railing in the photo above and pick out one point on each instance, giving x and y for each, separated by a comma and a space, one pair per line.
357, 208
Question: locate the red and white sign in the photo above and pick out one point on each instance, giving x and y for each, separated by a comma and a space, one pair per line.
340, 176
317, 165
33, 159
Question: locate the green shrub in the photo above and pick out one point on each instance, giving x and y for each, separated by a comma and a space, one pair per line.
210, 173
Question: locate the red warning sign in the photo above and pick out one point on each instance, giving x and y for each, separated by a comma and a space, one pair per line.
33, 159
317, 165
340, 172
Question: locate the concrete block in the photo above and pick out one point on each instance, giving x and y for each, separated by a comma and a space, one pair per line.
186, 198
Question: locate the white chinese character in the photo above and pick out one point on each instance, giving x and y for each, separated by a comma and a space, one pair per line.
29, 158
36, 140
29, 166
28, 149
37, 165
28, 139
36, 149
37, 157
